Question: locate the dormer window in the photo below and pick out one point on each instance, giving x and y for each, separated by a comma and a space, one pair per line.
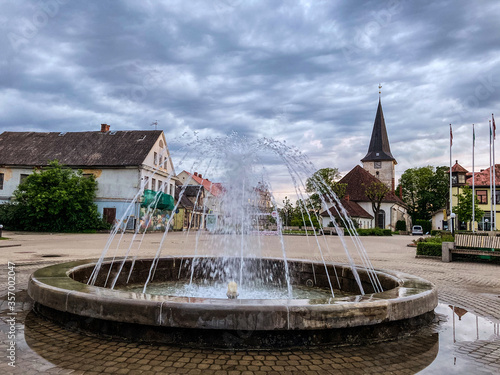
461, 179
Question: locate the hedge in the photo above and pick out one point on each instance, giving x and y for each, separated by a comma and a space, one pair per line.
429, 248
374, 232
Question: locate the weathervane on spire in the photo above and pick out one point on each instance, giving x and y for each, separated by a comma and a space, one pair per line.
379, 90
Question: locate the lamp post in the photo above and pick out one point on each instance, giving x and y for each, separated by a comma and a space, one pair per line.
452, 216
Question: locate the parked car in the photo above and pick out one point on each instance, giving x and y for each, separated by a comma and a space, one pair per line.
417, 230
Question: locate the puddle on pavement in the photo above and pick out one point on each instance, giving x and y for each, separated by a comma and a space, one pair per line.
459, 342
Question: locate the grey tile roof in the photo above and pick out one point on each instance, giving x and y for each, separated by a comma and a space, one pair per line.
79, 149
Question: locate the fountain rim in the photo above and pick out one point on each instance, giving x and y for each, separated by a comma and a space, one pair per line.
54, 288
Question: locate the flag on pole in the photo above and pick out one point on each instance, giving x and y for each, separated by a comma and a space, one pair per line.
494, 127
451, 137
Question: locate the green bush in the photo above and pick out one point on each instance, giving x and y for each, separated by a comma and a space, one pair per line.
401, 225
429, 248
54, 199
374, 232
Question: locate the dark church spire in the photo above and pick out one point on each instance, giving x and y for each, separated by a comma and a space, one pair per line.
379, 149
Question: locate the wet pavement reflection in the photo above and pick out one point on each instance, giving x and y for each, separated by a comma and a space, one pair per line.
458, 342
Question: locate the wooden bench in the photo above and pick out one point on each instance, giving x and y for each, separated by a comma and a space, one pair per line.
472, 245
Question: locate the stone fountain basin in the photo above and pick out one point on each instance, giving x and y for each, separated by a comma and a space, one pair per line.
61, 293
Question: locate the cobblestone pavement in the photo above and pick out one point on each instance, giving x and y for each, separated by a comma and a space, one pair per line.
448, 346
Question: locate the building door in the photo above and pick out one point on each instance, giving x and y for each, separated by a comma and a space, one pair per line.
381, 219
109, 215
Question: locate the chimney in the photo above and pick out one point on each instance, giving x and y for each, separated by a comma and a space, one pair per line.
104, 128
347, 198
200, 175
401, 192
196, 173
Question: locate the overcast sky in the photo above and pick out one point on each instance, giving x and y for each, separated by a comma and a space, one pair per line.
304, 72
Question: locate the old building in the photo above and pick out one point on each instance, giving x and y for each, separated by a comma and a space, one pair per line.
121, 161
212, 190
378, 166
461, 177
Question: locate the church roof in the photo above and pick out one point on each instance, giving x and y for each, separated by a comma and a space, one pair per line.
352, 208
358, 180
379, 149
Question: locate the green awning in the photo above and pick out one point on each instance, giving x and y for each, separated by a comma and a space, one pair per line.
159, 200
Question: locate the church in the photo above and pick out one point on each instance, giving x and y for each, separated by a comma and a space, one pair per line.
378, 165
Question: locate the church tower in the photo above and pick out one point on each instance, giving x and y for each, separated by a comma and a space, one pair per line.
379, 161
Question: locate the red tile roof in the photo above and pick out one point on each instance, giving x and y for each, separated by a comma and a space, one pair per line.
352, 208
457, 168
357, 180
214, 188
483, 178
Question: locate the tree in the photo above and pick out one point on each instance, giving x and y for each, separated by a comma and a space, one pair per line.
464, 207
424, 190
304, 213
286, 212
56, 199
376, 193
322, 183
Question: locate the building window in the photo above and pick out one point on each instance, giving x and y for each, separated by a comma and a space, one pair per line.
155, 158
461, 179
161, 162
1, 181
23, 177
161, 144
153, 184
497, 195
165, 163
482, 196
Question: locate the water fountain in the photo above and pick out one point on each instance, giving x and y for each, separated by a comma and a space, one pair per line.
237, 288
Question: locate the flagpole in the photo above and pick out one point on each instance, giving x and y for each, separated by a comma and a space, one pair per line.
494, 177
473, 184
491, 180
450, 222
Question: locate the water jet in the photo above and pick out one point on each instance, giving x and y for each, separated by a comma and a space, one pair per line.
312, 301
